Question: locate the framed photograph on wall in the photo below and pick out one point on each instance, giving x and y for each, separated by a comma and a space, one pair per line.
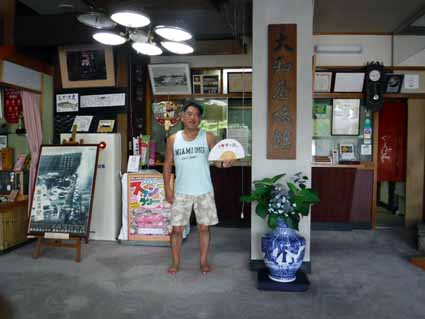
239, 82
86, 66
206, 81
235, 70
170, 79
67, 102
393, 83
346, 117
63, 190
349, 81
322, 81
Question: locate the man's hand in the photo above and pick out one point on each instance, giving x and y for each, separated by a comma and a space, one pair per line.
227, 163
169, 197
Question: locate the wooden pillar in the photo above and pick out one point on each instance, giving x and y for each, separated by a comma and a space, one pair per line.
7, 12
415, 162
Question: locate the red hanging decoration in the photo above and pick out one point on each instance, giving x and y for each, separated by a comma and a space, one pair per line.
12, 105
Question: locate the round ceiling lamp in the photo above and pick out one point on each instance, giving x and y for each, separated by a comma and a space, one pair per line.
131, 19
177, 47
96, 20
172, 33
109, 38
147, 48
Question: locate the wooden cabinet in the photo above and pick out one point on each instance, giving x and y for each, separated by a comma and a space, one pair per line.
13, 223
229, 185
345, 195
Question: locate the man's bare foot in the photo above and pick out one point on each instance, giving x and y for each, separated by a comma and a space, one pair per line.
173, 269
205, 269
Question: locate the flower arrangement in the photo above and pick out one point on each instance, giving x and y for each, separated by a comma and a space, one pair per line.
278, 201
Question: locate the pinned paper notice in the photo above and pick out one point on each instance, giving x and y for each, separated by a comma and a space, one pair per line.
228, 149
411, 81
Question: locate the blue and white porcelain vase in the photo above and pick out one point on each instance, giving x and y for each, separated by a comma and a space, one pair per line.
283, 251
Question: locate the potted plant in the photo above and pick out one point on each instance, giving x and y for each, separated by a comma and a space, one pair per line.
283, 206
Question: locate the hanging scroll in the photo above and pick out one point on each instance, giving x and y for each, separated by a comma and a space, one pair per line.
282, 92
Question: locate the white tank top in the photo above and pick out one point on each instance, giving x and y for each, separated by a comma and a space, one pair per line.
192, 168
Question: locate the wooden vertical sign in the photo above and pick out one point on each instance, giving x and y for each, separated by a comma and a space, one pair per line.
282, 92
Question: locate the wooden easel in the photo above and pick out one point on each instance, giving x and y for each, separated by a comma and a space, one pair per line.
60, 242
49, 242
73, 139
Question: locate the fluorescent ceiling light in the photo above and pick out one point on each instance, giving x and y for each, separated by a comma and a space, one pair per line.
338, 49
109, 38
147, 48
131, 19
172, 33
177, 47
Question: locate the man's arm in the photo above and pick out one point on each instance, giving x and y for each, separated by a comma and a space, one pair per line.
169, 195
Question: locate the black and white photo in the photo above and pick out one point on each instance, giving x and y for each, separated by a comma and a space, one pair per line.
170, 79
67, 102
63, 191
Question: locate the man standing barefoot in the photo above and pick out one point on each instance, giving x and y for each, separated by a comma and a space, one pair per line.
189, 148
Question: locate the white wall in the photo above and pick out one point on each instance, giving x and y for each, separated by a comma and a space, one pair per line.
409, 50
267, 12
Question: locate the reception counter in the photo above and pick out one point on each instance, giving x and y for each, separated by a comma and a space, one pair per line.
346, 194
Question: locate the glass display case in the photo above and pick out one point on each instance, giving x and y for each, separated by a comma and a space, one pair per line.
327, 138
225, 117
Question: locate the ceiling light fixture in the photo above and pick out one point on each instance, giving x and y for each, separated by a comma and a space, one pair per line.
177, 47
96, 20
172, 33
169, 37
147, 48
131, 19
109, 38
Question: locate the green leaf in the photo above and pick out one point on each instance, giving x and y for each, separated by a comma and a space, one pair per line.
261, 209
272, 221
292, 187
309, 195
277, 177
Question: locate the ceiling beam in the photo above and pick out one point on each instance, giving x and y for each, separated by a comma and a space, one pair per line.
405, 26
7, 12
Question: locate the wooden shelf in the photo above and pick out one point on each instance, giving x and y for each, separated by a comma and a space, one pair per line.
349, 95
358, 166
201, 96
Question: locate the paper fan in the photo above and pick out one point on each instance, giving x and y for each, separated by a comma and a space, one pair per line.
228, 149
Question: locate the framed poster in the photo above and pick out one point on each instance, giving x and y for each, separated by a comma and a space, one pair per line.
102, 100
67, 102
346, 117
239, 82
170, 79
394, 82
322, 81
282, 92
63, 191
86, 66
349, 82
148, 212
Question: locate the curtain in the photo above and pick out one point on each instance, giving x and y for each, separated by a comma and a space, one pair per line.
32, 119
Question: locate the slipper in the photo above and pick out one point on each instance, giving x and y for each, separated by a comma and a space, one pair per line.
172, 271
205, 270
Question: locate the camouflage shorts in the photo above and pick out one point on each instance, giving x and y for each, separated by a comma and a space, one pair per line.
203, 205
